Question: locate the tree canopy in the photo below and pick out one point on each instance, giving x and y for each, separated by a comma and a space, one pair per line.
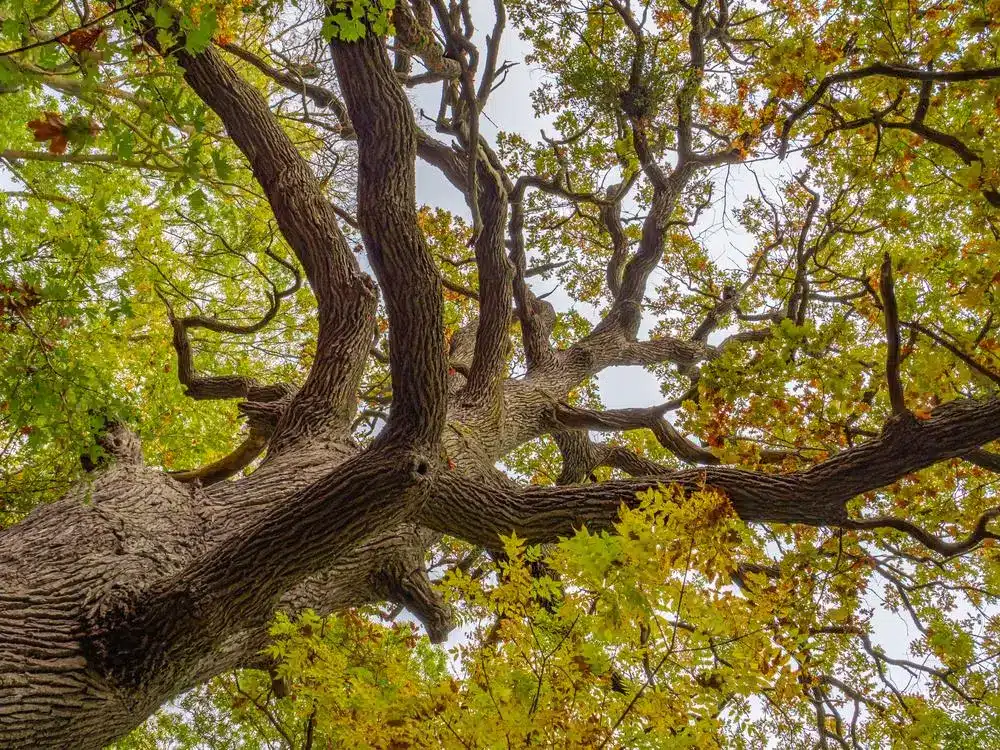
305, 312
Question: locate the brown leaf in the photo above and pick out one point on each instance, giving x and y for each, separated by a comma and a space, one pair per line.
58, 144
49, 126
52, 128
82, 40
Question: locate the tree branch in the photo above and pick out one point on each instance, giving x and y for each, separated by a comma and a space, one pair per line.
387, 146
495, 289
218, 386
320, 96
110, 159
227, 466
930, 541
224, 590
478, 512
878, 69
345, 296
536, 316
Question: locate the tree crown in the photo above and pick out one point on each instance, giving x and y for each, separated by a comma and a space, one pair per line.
216, 229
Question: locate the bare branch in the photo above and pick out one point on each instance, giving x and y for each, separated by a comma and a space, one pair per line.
979, 533
212, 387
320, 96
110, 159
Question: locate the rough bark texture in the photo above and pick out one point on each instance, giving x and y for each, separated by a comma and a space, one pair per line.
138, 585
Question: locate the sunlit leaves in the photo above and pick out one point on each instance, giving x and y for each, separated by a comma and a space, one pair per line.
350, 21
681, 627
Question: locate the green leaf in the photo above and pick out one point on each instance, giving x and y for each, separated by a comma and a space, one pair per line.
197, 39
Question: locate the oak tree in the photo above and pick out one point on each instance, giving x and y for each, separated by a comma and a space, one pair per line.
256, 397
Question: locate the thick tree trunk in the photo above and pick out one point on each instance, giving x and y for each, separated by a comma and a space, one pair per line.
92, 558
127, 528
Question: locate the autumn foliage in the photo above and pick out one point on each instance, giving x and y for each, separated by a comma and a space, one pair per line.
303, 267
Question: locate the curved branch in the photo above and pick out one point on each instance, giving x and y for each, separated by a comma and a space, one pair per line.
227, 466
979, 533
202, 388
217, 326
634, 419
878, 69
478, 512
402, 577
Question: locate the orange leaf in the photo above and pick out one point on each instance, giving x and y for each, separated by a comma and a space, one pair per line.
58, 144
922, 414
50, 126
82, 40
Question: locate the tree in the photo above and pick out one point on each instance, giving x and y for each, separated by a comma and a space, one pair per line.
215, 202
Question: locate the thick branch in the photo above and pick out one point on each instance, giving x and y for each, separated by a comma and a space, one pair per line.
308, 221
495, 278
580, 456
817, 496
983, 459
168, 626
633, 419
387, 146
402, 578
